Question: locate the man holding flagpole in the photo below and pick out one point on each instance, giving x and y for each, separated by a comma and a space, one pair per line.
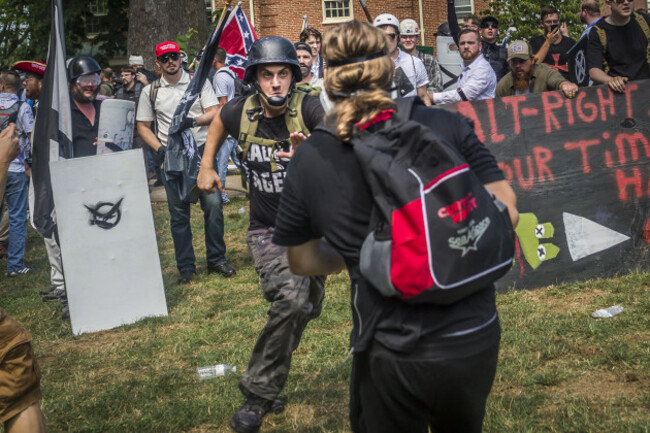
158, 103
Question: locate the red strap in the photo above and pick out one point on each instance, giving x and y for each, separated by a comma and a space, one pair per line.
382, 116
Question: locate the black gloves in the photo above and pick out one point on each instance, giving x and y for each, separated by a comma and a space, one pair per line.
189, 122
161, 152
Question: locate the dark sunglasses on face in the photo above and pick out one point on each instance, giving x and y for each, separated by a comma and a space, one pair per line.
165, 57
620, 2
488, 26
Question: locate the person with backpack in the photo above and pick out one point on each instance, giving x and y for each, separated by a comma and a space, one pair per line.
13, 110
158, 103
264, 124
227, 85
618, 49
424, 359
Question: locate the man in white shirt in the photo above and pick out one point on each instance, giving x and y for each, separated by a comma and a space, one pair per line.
158, 102
477, 79
410, 74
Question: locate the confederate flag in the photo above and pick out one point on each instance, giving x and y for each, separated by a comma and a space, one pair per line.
236, 39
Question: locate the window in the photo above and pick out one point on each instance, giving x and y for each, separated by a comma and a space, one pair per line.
97, 23
464, 8
337, 11
98, 7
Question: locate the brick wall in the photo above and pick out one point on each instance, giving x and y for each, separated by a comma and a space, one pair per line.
285, 17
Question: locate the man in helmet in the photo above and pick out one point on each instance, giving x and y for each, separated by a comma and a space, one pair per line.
158, 103
84, 81
410, 37
266, 124
410, 74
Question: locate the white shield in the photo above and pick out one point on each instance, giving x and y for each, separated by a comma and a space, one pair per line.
108, 241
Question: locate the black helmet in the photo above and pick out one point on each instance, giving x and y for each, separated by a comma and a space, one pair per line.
443, 29
271, 49
82, 65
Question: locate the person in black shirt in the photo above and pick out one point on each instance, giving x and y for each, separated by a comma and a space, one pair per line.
556, 57
83, 73
273, 69
626, 56
415, 366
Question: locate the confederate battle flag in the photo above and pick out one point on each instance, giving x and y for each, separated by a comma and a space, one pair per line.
236, 39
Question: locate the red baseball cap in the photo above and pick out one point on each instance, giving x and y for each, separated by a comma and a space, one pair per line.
167, 47
32, 66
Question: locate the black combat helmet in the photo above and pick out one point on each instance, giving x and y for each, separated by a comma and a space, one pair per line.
82, 65
271, 49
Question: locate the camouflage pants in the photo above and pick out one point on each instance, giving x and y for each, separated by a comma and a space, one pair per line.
294, 302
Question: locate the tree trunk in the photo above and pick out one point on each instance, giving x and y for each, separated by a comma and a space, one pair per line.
154, 21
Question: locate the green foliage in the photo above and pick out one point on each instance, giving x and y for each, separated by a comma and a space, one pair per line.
524, 15
189, 42
25, 29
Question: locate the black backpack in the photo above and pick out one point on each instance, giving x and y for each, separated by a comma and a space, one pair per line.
241, 89
437, 234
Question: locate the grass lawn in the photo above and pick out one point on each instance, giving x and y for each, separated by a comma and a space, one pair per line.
559, 369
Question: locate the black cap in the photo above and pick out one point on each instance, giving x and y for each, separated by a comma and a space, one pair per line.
489, 19
302, 46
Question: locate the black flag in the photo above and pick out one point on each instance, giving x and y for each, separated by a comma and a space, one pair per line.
578, 62
52, 138
182, 161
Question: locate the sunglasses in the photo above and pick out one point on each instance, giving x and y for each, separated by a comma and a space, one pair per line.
165, 57
89, 80
620, 2
391, 35
488, 26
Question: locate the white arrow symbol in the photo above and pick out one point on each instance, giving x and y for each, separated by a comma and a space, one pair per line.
586, 237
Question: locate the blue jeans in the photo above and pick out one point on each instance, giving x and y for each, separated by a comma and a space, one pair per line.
16, 194
179, 217
227, 150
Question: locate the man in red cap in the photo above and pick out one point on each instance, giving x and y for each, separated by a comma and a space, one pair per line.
34, 72
33, 82
158, 103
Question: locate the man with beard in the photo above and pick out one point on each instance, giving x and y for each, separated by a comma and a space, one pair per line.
313, 38
589, 15
158, 103
83, 73
619, 47
309, 83
477, 79
557, 44
526, 77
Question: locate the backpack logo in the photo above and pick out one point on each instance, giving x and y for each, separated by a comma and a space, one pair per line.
459, 211
469, 236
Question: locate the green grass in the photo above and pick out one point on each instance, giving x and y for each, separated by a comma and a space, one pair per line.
559, 369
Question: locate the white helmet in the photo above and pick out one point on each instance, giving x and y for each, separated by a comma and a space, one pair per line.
386, 20
409, 27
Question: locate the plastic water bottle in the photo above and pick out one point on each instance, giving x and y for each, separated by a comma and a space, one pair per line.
606, 313
212, 371
242, 211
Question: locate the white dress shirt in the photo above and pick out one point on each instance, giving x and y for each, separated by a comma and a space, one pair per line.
476, 81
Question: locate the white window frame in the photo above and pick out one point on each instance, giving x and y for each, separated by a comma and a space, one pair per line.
335, 20
472, 10
99, 9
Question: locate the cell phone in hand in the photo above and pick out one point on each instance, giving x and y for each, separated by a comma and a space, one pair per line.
554, 27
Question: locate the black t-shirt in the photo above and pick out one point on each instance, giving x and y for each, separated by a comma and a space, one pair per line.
327, 196
556, 57
265, 186
626, 49
84, 135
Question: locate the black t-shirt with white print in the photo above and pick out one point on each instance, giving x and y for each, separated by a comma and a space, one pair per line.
264, 185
